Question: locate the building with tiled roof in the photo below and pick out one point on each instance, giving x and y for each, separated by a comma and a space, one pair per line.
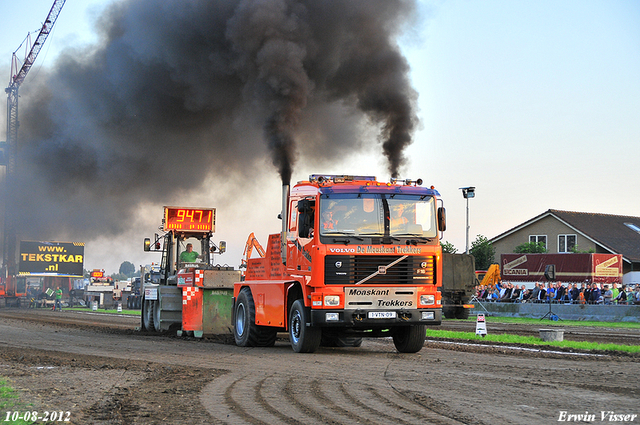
569, 231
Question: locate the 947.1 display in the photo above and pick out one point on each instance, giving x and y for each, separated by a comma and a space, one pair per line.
34, 416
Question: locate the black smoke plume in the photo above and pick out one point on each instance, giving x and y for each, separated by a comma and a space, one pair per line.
180, 91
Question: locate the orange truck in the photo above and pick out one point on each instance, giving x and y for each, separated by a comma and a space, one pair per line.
360, 258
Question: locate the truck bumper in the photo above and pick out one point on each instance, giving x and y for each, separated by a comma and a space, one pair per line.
360, 319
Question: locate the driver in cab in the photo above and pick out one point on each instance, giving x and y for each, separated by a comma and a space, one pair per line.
189, 256
328, 223
398, 221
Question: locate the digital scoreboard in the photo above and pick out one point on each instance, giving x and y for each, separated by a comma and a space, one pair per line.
189, 219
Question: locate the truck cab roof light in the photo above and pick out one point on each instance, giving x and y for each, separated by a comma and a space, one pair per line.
321, 178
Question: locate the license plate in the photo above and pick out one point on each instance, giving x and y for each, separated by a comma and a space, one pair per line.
382, 315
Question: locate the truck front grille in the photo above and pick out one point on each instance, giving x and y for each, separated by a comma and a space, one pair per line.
352, 269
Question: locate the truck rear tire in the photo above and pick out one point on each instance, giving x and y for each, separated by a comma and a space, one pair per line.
448, 312
156, 315
147, 315
246, 332
409, 339
462, 313
303, 338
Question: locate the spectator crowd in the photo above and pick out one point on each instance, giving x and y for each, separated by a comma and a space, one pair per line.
558, 292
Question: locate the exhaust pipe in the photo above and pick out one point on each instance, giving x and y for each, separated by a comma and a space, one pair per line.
285, 222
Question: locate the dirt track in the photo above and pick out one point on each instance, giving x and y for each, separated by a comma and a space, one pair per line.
101, 371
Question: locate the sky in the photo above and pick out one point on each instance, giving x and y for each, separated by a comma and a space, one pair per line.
535, 104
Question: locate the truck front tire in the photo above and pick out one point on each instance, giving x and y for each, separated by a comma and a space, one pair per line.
246, 332
409, 339
304, 339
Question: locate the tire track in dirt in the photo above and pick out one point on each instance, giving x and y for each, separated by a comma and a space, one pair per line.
247, 398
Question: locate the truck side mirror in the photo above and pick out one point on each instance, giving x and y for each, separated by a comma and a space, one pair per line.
222, 246
147, 244
442, 219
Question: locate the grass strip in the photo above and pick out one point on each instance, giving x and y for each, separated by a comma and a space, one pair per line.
545, 322
9, 403
102, 310
531, 340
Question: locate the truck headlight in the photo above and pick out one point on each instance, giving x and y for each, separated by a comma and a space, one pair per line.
428, 315
331, 300
332, 317
427, 299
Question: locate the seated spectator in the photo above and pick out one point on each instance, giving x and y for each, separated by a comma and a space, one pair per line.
607, 295
542, 295
505, 296
621, 299
516, 294
636, 295
495, 293
533, 296
526, 295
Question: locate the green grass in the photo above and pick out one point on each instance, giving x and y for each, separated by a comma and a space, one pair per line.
9, 402
531, 340
528, 321
102, 310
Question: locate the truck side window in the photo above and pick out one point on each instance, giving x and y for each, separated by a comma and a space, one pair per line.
306, 208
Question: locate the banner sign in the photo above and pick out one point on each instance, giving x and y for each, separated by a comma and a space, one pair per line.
51, 258
598, 268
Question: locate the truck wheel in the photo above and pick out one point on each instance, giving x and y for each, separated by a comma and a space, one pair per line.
156, 315
147, 315
246, 332
340, 341
448, 312
462, 313
304, 339
409, 339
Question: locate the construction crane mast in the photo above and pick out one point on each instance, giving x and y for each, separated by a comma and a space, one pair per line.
18, 74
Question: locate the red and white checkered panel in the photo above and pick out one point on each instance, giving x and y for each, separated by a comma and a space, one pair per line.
199, 281
189, 292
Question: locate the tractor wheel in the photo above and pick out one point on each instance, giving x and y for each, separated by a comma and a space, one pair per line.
409, 339
303, 338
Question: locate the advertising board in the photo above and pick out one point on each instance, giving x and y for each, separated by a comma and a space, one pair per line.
51, 258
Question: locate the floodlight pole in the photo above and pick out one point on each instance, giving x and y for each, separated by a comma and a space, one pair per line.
468, 192
466, 251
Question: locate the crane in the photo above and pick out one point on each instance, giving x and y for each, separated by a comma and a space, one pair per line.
252, 242
18, 74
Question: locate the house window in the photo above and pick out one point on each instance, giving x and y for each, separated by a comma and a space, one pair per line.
633, 227
566, 243
538, 239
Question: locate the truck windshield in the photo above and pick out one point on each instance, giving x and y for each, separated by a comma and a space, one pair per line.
377, 215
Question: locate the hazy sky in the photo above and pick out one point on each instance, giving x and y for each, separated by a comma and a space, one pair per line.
536, 104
